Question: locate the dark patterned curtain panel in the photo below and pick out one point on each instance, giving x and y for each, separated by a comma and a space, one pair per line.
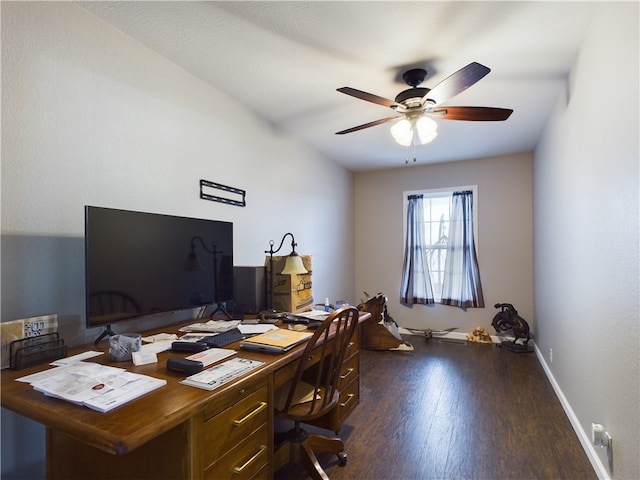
416, 284
462, 286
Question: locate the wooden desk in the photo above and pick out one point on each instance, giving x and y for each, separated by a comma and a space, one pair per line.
176, 431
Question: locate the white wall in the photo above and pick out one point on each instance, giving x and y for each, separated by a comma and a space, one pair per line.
89, 116
586, 239
505, 251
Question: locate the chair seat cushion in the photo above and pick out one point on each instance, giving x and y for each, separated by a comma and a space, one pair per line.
303, 393
301, 402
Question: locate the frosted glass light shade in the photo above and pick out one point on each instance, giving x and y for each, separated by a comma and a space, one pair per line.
294, 266
427, 129
402, 132
416, 131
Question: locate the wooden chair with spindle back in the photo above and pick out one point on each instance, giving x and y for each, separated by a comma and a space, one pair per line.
313, 392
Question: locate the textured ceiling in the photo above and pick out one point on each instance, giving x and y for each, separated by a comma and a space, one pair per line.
284, 61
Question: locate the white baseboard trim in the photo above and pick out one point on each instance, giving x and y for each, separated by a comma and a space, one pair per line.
585, 438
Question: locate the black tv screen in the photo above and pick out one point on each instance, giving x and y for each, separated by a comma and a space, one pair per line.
140, 264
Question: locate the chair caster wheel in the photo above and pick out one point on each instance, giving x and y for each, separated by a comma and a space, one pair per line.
342, 459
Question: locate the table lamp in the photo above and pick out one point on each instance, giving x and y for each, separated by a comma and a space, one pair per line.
293, 266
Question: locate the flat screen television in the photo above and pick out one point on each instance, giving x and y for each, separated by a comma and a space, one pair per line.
140, 264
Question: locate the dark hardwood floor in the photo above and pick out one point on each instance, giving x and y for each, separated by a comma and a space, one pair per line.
455, 411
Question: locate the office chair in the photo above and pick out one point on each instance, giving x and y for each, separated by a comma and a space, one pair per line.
313, 392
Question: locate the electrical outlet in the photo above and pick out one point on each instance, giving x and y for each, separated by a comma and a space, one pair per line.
601, 438
550, 355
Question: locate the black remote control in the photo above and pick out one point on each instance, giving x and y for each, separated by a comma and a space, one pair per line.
179, 346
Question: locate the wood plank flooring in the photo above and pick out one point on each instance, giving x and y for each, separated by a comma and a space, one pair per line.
455, 411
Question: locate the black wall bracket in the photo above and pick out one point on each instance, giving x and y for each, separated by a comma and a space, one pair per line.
216, 198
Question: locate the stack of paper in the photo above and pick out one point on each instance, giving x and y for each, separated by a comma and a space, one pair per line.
213, 326
211, 355
315, 315
93, 385
222, 373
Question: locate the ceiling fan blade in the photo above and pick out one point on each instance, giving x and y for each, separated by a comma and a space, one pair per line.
479, 114
367, 125
369, 97
456, 83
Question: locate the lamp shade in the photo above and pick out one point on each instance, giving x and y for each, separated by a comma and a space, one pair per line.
294, 266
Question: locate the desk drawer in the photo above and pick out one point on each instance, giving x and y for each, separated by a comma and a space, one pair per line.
349, 398
350, 370
244, 460
354, 344
235, 423
235, 395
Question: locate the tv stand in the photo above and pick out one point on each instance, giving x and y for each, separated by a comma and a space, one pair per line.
221, 307
107, 331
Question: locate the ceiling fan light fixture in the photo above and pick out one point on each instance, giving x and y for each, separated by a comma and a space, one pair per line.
417, 131
402, 132
426, 128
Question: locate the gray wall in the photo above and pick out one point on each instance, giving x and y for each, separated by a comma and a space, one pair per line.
586, 223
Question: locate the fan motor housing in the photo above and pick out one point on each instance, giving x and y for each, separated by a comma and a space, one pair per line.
410, 93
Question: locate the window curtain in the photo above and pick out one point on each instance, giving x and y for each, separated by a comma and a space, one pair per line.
416, 284
462, 286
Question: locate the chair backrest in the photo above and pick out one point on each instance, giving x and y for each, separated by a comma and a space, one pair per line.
112, 301
321, 363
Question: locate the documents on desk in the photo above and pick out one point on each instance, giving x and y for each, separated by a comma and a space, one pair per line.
221, 373
212, 326
313, 315
160, 337
256, 328
276, 341
76, 358
93, 385
211, 355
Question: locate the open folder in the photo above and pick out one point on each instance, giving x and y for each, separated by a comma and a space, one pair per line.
275, 341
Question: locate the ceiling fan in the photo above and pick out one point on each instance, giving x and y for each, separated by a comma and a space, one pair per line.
418, 105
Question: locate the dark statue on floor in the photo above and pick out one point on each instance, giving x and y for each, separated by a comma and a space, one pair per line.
508, 319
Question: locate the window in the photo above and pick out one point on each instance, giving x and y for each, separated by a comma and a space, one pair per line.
437, 204
437, 208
